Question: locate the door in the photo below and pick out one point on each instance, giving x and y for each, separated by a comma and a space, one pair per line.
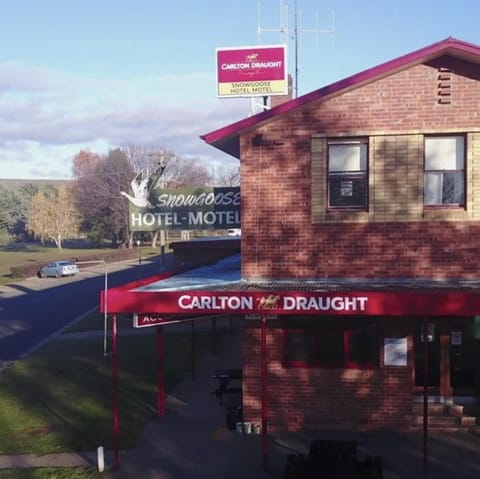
462, 362
450, 358
427, 357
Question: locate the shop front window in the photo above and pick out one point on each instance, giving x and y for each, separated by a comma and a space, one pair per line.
354, 347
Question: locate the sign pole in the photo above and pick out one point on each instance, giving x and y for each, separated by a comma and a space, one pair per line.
116, 422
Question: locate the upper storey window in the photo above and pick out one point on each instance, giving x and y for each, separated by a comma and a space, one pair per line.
444, 170
348, 173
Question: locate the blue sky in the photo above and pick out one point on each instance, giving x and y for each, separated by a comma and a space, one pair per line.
100, 74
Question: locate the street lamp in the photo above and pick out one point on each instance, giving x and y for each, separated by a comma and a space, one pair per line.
139, 252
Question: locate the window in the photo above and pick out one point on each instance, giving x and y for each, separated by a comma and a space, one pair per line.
347, 174
444, 170
355, 347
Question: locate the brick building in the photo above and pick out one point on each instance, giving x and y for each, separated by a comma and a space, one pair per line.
371, 185
360, 231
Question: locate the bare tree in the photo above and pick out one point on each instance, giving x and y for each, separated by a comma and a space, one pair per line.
97, 186
227, 175
176, 172
146, 158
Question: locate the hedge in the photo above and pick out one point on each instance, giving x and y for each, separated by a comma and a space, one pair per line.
31, 269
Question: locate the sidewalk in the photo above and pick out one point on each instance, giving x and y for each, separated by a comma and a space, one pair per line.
192, 440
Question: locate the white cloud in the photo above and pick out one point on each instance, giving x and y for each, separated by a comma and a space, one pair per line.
46, 117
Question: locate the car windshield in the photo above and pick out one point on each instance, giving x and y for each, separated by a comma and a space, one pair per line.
64, 263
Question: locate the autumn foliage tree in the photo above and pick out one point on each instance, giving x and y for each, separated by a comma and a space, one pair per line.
53, 215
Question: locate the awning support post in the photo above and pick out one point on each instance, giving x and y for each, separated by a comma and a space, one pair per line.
116, 415
264, 394
193, 350
425, 394
214, 336
160, 377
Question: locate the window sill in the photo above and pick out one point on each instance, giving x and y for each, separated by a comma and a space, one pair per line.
441, 213
302, 365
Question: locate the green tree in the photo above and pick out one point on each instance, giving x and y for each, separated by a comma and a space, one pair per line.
13, 213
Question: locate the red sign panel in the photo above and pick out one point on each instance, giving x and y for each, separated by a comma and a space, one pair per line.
252, 71
290, 302
146, 320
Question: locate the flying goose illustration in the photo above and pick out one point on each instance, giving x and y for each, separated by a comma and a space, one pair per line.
140, 192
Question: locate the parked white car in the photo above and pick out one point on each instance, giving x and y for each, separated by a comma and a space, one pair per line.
58, 269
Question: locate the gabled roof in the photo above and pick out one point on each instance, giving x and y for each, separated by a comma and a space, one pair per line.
227, 138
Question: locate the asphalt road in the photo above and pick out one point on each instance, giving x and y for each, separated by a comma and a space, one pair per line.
34, 309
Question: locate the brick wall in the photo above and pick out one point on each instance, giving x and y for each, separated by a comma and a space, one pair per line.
309, 398
365, 250
287, 230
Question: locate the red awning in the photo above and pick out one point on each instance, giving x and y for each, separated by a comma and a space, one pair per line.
219, 289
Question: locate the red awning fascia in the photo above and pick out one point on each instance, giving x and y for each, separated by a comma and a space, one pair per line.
366, 303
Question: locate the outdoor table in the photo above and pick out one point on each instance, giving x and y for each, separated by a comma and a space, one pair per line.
224, 377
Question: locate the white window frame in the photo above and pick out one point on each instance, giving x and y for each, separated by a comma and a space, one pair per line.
347, 170
444, 162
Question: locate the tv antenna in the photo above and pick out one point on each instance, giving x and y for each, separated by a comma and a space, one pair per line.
294, 32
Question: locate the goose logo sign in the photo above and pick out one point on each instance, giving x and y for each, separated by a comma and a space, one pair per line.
152, 208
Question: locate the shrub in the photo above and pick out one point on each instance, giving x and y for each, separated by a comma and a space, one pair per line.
110, 256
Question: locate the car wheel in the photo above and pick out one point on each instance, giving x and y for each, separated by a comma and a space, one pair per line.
57, 274
42, 274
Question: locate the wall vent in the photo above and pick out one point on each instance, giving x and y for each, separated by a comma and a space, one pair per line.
444, 86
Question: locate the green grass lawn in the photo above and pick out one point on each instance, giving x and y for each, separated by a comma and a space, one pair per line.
60, 398
36, 253
51, 473
94, 321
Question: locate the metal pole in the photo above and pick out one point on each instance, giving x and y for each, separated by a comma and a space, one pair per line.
296, 49
105, 300
116, 422
425, 394
105, 306
139, 252
193, 350
264, 394
161, 377
214, 336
